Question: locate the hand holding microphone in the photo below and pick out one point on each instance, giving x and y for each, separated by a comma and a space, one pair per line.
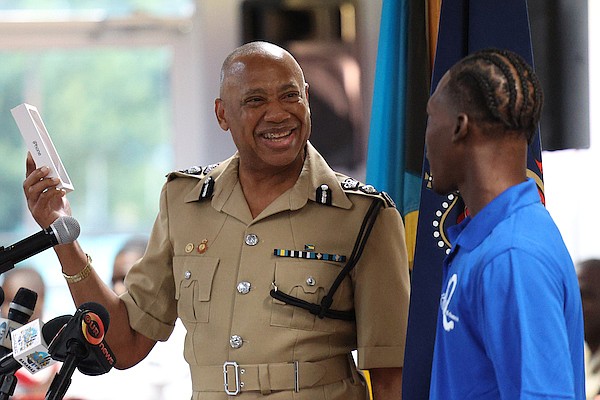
64, 230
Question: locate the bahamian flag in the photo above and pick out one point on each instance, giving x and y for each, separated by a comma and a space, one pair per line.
398, 112
465, 26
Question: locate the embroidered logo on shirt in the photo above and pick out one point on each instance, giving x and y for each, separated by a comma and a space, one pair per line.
448, 318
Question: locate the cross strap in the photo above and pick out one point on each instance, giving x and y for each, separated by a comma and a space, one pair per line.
323, 309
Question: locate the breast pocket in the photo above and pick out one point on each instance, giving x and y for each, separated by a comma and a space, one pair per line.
193, 286
309, 281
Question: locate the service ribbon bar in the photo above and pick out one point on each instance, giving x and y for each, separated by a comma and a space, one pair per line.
309, 255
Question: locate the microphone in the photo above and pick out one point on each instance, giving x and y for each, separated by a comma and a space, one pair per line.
63, 230
30, 343
30, 349
80, 344
19, 312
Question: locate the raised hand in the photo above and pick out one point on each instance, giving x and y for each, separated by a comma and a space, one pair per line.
45, 200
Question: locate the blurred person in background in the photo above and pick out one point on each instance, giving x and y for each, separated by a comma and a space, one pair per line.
26, 277
588, 273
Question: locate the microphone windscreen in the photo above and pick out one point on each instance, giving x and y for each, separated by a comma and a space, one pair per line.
84, 333
24, 301
99, 310
66, 229
51, 328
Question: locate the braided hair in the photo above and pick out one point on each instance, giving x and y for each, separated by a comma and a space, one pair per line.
498, 87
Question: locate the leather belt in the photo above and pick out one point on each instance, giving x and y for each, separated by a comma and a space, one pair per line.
234, 378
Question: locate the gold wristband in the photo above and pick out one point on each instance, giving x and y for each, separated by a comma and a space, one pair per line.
81, 275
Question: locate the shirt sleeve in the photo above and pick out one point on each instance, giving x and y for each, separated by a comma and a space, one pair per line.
381, 294
150, 296
522, 302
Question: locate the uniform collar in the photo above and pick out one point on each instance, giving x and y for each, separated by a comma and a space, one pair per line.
220, 172
315, 173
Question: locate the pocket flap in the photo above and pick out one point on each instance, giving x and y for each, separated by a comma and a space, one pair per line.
190, 269
310, 276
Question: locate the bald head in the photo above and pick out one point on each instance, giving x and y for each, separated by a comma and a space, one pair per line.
235, 61
23, 277
264, 105
588, 272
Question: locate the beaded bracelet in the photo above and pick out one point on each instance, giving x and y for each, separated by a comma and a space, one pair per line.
81, 275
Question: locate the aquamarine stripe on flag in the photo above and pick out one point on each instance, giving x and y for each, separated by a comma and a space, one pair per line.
398, 117
385, 155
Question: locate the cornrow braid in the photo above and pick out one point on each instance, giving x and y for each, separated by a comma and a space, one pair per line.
510, 87
498, 86
524, 86
487, 91
537, 100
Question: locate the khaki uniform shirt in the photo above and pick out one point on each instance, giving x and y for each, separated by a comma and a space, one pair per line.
212, 265
592, 374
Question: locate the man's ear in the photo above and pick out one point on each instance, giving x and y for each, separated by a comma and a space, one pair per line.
220, 114
461, 129
306, 97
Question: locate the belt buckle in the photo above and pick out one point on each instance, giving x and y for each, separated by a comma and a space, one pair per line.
236, 369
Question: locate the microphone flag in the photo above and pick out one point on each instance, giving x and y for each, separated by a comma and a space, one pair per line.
29, 347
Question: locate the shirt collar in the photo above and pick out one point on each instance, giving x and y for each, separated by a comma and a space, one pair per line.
315, 173
472, 231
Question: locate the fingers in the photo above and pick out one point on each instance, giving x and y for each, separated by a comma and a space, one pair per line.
43, 197
38, 182
29, 164
47, 206
45, 200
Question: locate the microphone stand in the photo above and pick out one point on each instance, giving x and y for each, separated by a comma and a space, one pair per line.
7, 389
62, 380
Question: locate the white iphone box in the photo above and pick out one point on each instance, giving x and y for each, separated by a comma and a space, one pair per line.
39, 143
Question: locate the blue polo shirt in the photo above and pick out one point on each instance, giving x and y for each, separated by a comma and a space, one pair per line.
510, 324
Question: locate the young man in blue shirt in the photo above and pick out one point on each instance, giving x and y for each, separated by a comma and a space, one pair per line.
510, 324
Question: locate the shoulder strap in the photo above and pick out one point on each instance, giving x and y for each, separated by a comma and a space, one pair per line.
323, 310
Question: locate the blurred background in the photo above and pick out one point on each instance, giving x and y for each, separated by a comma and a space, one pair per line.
126, 91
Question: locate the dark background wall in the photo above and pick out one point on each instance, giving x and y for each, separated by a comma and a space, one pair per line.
559, 32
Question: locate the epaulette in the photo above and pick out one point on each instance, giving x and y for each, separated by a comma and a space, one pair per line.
351, 185
196, 171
